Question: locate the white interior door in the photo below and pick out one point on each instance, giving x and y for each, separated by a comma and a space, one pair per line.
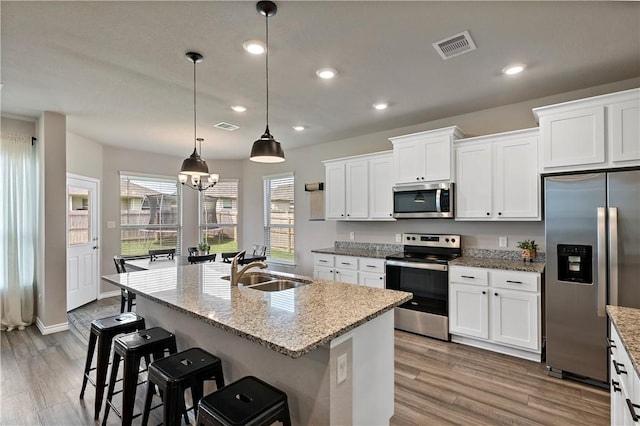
82, 240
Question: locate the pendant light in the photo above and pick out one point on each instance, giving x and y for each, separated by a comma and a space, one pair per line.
194, 169
267, 149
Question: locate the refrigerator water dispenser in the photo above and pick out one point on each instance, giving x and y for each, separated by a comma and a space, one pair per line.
574, 264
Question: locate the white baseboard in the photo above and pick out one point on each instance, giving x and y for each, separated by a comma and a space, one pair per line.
109, 294
64, 326
507, 350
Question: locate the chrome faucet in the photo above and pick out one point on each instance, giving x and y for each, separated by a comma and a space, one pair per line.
235, 274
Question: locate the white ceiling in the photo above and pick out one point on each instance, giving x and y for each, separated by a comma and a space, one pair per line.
119, 73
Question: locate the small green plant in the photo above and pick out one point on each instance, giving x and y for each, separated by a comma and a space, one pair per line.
528, 245
203, 246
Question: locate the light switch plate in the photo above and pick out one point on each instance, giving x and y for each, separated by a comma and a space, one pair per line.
502, 241
342, 368
398, 238
352, 236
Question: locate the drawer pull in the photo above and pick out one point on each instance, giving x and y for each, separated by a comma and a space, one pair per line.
617, 366
610, 344
371, 266
323, 261
514, 282
468, 276
484, 292
616, 386
345, 263
632, 409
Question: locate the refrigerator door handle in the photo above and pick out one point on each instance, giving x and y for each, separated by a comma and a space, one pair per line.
602, 262
613, 255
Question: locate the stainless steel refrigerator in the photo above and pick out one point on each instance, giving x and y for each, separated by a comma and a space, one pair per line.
592, 236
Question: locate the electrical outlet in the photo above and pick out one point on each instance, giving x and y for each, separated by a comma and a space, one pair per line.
352, 236
502, 241
342, 368
398, 238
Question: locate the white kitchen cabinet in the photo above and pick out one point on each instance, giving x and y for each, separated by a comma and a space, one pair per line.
624, 383
424, 156
359, 187
593, 133
497, 177
355, 270
496, 309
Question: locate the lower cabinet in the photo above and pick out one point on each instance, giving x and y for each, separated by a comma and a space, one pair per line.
624, 384
495, 309
349, 269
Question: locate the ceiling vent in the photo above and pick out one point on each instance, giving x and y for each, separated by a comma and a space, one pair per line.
226, 126
455, 45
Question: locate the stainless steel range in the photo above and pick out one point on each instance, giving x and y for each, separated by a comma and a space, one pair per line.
422, 269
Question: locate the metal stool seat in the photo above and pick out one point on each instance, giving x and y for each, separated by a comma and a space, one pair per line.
248, 401
174, 374
132, 347
103, 331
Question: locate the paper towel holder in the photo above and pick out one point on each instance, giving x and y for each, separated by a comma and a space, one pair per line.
316, 186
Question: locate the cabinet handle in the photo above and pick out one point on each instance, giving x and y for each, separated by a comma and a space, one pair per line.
616, 386
323, 261
417, 178
370, 266
422, 177
390, 214
342, 214
484, 292
632, 410
488, 214
514, 282
610, 344
345, 263
337, 272
617, 366
380, 277
499, 213
348, 214
495, 294
468, 276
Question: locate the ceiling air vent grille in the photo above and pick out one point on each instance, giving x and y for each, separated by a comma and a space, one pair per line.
226, 126
455, 45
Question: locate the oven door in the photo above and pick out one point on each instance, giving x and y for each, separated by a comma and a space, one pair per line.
429, 283
423, 201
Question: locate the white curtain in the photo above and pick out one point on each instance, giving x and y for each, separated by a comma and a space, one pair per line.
19, 185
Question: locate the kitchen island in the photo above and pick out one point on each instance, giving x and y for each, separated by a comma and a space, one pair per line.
292, 338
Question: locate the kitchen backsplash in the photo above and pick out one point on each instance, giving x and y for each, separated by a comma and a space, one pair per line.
368, 246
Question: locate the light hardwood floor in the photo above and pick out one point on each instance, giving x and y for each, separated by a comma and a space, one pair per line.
436, 383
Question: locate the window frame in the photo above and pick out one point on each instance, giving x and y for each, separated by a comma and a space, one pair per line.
179, 206
267, 210
201, 225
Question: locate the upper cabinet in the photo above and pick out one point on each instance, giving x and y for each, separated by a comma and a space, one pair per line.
497, 177
593, 133
425, 156
360, 187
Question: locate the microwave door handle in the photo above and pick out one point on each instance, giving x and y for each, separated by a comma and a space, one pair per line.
438, 195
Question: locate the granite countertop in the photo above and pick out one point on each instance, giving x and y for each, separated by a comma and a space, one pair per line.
627, 323
292, 322
506, 264
356, 252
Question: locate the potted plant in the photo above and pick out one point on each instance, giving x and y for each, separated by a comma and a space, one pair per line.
529, 248
203, 248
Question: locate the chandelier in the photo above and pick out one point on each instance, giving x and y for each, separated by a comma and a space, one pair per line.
195, 171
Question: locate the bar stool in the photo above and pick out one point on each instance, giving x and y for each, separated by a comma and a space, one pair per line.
173, 375
248, 401
103, 331
132, 347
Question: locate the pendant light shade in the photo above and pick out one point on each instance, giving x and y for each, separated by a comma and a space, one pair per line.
194, 170
267, 149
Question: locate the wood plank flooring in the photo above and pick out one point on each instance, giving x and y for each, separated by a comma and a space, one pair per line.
436, 383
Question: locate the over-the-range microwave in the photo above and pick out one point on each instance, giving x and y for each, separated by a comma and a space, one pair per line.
425, 200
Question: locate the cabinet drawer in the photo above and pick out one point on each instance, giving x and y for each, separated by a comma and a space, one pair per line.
621, 365
514, 280
369, 264
321, 259
467, 275
346, 262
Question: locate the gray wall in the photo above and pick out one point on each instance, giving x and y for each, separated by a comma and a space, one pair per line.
14, 125
84, 156
307, 167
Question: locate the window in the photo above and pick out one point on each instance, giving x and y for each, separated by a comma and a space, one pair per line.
279, 230
149, 213
219, 216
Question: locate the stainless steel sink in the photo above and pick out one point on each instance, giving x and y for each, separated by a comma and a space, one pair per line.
251, 279
278, 285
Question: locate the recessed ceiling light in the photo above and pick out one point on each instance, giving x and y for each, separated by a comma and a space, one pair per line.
513, 69
326, 73
255, 47
238, 108
298, 128
381, 105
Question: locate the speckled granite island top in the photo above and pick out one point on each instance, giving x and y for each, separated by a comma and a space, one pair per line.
627, 322
506, 264
292, 322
